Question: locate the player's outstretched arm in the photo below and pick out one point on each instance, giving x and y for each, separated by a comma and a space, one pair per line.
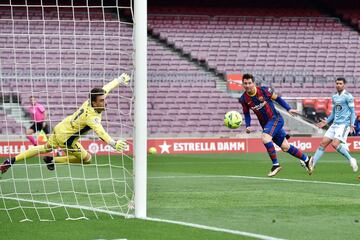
248, 122
351, 104
322, 123
332, 115
95, 124
283, 103
246, 112
123, 79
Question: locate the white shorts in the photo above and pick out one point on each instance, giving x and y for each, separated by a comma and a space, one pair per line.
339, 132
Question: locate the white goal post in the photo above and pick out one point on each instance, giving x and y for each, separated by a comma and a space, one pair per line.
140, 146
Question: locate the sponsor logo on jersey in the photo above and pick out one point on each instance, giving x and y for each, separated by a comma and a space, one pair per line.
259, 106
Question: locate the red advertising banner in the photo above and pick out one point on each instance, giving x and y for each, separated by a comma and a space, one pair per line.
198, 146
237, 145
191, 146
234, 82
94, 147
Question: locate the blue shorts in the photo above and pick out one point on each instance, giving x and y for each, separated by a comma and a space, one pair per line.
274, 127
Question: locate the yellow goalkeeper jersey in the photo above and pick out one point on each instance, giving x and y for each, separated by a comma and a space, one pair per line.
82, 121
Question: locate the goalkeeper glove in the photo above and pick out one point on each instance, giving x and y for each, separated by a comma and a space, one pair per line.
124, 79
120, 145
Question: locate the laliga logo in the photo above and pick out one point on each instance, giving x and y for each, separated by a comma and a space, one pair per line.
93, 148
100, 148
301, 145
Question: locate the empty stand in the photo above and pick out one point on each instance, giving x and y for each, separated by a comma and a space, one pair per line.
294, 48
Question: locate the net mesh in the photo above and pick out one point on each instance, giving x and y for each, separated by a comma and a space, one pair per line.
58, 53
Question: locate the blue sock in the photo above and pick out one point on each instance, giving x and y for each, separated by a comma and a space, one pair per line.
272, 153
319, 152
342, 150
297, 153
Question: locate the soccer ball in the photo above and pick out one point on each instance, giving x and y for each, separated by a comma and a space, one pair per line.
152, 150
233, 119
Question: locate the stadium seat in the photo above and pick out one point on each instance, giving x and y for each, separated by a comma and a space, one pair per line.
309, 108
321, 108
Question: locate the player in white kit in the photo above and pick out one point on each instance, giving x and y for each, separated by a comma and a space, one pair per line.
343, 118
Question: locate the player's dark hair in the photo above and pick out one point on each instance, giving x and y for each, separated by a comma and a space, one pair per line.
96, 92
248, 76
341, 79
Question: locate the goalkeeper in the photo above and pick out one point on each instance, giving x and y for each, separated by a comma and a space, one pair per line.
66, 134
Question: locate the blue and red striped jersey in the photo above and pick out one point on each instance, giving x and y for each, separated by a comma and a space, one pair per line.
261, 104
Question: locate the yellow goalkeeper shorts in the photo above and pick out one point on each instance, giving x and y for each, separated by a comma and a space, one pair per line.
75, 149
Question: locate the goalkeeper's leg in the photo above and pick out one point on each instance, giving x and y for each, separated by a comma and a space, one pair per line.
37, 150
75, 154
33, 152
44, 136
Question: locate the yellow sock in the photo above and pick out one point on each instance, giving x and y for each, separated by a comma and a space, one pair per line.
67, 159
32, 152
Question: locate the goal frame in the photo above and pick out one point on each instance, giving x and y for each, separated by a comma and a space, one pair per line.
140, 110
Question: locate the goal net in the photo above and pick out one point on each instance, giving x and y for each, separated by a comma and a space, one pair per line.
57, 51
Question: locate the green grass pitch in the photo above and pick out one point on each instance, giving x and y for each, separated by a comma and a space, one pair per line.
227, 191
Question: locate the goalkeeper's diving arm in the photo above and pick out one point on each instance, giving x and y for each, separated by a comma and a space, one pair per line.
122, 79
95, 124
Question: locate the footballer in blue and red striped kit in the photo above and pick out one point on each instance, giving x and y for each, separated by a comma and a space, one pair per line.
260, 101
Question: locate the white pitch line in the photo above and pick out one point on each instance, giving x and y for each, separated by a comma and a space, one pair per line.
194, 225
111, 239
260, 178
216, 229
